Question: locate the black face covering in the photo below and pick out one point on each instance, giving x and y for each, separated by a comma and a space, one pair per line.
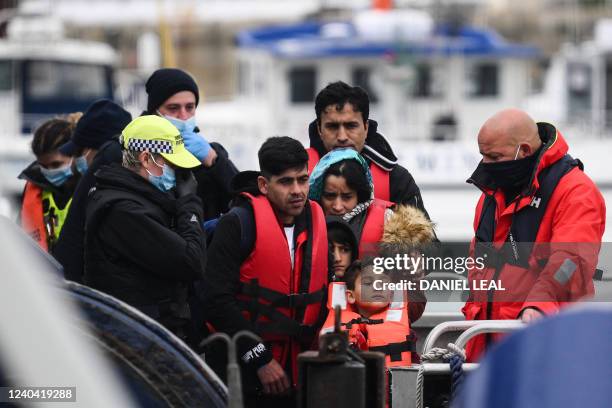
511, 174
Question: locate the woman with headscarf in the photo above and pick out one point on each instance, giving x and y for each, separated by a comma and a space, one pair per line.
341, 183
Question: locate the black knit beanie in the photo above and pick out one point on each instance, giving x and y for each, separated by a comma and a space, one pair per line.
164, 83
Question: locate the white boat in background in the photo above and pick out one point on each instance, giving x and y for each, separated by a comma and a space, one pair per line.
431, 89
42, 75
425, 82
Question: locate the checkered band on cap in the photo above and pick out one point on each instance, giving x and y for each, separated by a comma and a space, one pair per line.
153, 146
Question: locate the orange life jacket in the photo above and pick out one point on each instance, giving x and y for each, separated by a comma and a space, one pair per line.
41, 217
387, 332
380, 176
282, 302
32, 220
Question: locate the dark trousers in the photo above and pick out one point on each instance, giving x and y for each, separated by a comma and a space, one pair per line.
269, 401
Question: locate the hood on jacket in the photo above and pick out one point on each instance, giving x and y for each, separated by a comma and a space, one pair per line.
407, 227
554, 147
33, 175
376, 148
336, 222
117, 177
245, 182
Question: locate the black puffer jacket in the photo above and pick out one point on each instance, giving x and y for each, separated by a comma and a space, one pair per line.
402, 187
143, 246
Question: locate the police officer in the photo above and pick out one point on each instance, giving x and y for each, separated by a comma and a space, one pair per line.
144, 241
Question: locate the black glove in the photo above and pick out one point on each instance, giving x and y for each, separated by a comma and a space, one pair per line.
185, 183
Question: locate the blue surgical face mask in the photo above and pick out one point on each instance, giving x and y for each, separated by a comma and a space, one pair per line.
58, 176
187, 125
81, 163
165, 182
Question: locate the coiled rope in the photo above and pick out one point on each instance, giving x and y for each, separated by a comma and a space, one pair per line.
455, 356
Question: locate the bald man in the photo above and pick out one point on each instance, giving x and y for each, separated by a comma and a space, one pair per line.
538, 224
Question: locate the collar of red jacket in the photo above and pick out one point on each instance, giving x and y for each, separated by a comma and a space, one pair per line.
554, 148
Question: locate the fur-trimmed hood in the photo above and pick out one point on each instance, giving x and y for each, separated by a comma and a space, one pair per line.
407, 227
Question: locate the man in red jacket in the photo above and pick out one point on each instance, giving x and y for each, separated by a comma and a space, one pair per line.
538, 224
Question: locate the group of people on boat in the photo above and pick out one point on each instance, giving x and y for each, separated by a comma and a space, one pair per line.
153, 212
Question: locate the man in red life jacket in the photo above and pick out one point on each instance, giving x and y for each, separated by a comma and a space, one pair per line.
538, 223
274, 282
342, 121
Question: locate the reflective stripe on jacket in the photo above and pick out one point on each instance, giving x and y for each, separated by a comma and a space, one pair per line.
41, 218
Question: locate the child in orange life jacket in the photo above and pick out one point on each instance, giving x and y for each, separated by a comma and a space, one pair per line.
376, 318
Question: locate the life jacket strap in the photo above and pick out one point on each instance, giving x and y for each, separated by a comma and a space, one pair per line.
280, 324
395, 350
362, 320
252, 289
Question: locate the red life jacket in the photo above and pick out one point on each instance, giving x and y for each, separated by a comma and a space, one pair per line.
380, 176
373, 227
282, 302
32, 220
387, 332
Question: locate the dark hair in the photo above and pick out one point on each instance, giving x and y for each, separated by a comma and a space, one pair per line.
354, 270
341, 236
339, 94
52, 134
279, 154
355, 177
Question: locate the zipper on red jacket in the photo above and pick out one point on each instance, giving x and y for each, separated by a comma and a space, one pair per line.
498, 269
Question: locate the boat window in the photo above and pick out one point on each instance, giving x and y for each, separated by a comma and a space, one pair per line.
58, 80
579, 80
259, 75
428, 81
6, 75
483, 80
243, 78
362, 76
608, 92
302, 82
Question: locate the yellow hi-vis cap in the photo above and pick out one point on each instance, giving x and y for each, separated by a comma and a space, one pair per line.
157, 135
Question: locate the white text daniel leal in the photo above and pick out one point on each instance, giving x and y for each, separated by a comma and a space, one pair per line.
450, 284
